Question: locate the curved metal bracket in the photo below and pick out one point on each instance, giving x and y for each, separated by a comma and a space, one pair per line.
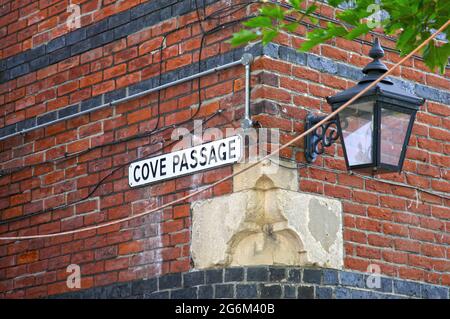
324, 136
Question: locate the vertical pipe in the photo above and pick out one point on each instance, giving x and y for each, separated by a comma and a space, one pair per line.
247, 59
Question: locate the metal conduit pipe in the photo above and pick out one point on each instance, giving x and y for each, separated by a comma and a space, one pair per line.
245, 60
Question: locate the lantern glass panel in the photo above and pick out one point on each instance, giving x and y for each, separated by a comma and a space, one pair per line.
393, 130
356, 122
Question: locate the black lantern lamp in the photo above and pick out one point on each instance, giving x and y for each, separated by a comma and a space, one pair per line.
375, 129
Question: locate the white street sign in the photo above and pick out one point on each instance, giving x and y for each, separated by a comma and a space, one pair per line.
187, 161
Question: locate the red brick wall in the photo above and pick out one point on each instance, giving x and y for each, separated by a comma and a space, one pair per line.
26, 24
406, 232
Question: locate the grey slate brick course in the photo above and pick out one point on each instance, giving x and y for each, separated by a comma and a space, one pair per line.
324, 293
119, 19
19, 70
26, 124
157, 295
257, 274
102, 38
312, 276
193, 278
271, 50
213, 276
73, 44
69, 110
277, 274
185, 293
119, 291
305, 292
140, 287
291, 55
427, 92
234, 274
322, 64
246, 291
56, 44
80, 40
343, 293
47, 117
39, 63
349, 72
352, 279
59, 55
81, 47
205, 292
433, 292
170, 287
97, 28
290, 291
295, 275
91, 103
115, 95
36, 52
330, 277
270, 291
169, 281
16, 60
76, 36
224, 291
407, 288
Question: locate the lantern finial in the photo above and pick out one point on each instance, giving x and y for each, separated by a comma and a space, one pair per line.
377, 51
375, 68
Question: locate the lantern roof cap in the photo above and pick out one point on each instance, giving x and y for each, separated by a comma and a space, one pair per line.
385, 87
376, 67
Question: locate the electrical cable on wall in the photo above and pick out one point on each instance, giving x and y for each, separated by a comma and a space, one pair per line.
22, 217
217, 15
146, 134
252, 165
66, 156
368, 178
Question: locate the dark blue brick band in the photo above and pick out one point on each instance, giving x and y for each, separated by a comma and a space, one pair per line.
264, 282
275, 51
95, 35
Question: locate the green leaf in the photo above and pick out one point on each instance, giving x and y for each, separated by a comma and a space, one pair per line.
318, 36
310, 9
268, 36
291, 27
436, 57
243, 37
404, 42
313, 20
356, 32
272, 11
335, 30
296, 4
335, 3
348, 16
411, 21
258, 22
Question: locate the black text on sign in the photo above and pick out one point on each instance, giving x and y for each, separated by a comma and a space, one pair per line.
187, 161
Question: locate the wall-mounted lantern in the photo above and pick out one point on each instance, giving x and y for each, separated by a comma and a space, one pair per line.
375, 129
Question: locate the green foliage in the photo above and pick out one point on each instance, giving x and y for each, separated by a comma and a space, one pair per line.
437, 57
411, 21
242, 37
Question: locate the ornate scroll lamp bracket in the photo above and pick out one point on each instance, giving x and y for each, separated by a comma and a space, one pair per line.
322, 137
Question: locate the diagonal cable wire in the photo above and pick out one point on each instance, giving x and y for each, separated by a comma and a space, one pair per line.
276, 151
